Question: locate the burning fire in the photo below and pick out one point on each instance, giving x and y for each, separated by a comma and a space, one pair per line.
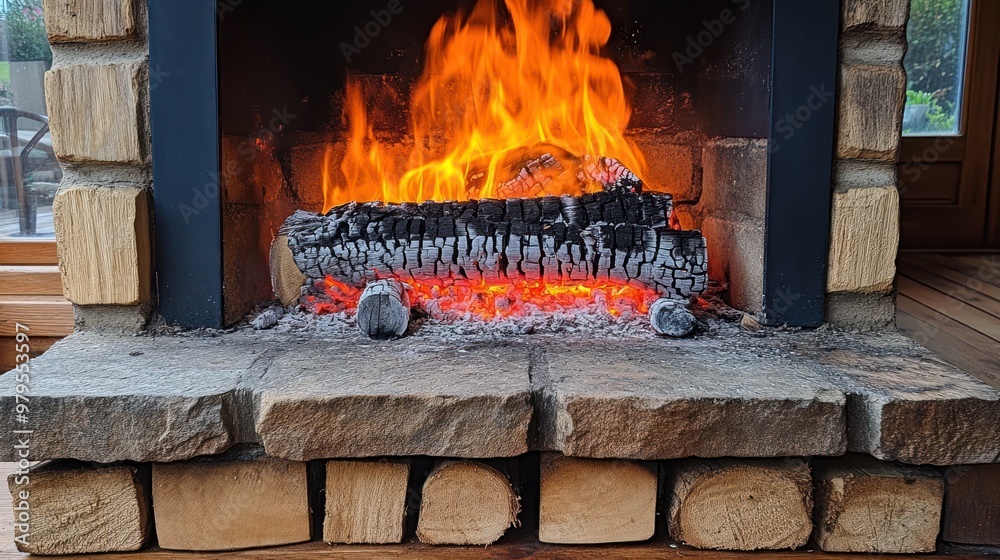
501, 82
496, 84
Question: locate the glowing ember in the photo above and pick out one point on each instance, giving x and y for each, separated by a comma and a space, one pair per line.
498, 81
463, 300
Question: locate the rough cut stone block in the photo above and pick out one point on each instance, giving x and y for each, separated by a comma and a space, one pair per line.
365, 502
736, 255
75, 509
104, 245
89, 20
170, 398
864, 240
740, 505
735, 178
106, 399
396, 400
886, 15
230, 505
904, 404
667, 400
671, 166
863, 505
93, 111
870, 112
592, 501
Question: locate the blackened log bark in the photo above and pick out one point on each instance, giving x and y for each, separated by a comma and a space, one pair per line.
384, 310
617, 236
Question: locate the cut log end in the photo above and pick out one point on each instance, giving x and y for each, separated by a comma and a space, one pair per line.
365, 502
671, 318
863, 505
466, 503
286, 278
591, 501
741, 505
384, 310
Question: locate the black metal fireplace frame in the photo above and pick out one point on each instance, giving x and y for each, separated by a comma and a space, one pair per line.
184, 99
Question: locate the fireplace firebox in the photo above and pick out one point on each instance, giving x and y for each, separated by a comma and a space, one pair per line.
285, 111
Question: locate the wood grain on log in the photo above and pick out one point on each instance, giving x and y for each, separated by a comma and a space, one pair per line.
740, 505
864, 505
466, 503
229, 505
365, 502
591, 501
286, 277
623, 237
68, 508
384, 310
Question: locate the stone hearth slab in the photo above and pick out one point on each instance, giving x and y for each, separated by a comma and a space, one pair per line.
316, 395
371, 400
661, 400
906, 405
108, 399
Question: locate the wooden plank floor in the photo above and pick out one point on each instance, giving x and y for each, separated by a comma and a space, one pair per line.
951, 305
519, 544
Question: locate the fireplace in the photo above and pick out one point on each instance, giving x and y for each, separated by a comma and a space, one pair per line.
753, 170
694, 99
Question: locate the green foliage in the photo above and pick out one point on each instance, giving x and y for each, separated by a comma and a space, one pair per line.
936, 36
937, 118
26, 35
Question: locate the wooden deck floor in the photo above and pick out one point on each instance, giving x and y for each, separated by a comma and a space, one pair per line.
951, 305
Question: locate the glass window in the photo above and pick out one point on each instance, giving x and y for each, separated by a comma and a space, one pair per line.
29, 172
935, 67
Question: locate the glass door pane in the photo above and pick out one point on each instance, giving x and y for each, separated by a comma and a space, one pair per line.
935, 67
29, 172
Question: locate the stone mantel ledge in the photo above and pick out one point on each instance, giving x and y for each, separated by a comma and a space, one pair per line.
309, 396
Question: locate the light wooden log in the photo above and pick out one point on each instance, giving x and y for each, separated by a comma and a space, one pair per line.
588, 501
286, 278
230, 504
466, 503
864, 505
103, 234
103, 124
384, 310
972, 505
365, 502
740, 504
671, 318
74, 509
69, 21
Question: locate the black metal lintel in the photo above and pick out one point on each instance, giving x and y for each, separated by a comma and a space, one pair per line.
800, 163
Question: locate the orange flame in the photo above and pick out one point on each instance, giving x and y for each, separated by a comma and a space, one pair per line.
497, 82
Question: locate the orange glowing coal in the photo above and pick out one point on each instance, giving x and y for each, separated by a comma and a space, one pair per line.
499, 80
463, 300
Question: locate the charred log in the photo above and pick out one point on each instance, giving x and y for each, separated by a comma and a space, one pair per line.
671, 318
619, 236
384, 310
